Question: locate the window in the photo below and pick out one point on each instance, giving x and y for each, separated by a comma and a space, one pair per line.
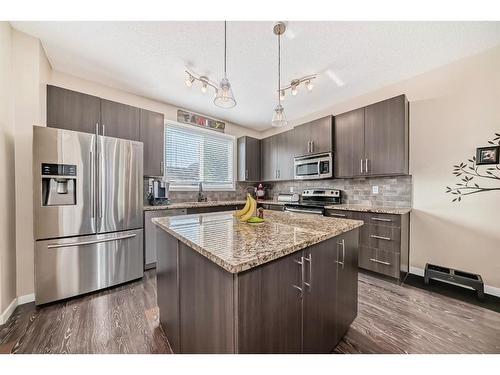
194, 155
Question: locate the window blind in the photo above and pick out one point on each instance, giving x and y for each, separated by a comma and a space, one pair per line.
196, 155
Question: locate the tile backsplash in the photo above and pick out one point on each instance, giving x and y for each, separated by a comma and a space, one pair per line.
392, 191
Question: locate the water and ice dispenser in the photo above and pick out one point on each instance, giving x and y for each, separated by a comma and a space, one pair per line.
58, 184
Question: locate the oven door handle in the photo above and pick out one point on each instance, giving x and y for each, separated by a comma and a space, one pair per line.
298, 210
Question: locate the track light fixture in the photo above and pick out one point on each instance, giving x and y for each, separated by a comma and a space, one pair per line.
295, 83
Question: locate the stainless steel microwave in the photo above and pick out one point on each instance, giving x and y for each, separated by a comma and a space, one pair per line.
311, 167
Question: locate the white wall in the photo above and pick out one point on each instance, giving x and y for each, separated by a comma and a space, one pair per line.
453, 110
7, 192
30, 73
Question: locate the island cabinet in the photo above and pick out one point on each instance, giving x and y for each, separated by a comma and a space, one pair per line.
299, 303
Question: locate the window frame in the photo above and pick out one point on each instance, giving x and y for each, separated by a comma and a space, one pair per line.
233, 140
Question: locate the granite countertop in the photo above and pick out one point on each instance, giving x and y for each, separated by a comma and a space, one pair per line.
373, 209
237, 247
180, 205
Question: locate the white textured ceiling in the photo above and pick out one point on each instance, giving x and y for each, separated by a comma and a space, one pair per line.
148, 58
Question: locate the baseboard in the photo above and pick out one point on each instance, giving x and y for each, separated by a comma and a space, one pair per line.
491, 290
27, 298
4, 316
21, 300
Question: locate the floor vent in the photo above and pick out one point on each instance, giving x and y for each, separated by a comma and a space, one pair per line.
456, 277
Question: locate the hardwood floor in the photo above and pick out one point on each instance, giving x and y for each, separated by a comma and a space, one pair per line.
118, 320
391, 319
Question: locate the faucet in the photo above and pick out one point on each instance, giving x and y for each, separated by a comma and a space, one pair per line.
201, 197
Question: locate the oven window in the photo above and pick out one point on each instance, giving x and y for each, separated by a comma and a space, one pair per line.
308, 169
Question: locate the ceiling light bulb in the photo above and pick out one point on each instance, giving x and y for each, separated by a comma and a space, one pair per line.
282, 95
204, 87
309, 85
189, 81
294, 90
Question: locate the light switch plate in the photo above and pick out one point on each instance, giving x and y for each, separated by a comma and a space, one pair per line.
375, 189
291, 189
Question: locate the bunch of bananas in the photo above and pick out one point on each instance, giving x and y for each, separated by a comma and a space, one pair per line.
246, 214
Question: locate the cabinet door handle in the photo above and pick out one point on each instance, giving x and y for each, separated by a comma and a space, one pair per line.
366, 165
342, 243
361, 165
382, 219
339, 215
312, 146
161, 168
298, 288
380, 261
309, 260
246, 174
103, 129
380, 237
96, 128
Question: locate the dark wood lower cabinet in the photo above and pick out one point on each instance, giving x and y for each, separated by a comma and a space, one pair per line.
301, 303
347, 282
320, 292
270, 308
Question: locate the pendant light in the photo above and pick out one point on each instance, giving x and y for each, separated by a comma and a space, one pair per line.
279, 118
224, 97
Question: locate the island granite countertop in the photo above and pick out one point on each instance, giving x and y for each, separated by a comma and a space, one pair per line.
237, 246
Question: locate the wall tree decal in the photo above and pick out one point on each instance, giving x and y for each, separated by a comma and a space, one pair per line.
472, 177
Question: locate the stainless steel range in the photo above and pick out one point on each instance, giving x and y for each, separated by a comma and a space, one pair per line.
314, 201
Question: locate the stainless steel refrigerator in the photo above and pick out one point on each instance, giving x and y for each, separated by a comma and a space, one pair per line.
87, 212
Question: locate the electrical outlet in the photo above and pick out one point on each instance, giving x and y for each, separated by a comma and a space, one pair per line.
375, 189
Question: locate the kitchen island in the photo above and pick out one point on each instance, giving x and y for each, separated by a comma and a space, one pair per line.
288, 285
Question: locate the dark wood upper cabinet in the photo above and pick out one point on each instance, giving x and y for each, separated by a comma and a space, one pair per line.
313, 137
386, 137
373, 140
349, 144
268, 159
285, 154
248, 159
152, 136
71, 110
302, 137
120, 120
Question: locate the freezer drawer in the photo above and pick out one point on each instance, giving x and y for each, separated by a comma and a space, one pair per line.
72, 266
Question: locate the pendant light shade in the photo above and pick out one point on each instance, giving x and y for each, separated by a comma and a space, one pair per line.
224, 96
279, 118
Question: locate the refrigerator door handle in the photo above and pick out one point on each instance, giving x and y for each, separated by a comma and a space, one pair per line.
80, 243
92, 187
99, 178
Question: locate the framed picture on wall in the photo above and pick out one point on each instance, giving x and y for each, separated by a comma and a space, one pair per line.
487, 155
